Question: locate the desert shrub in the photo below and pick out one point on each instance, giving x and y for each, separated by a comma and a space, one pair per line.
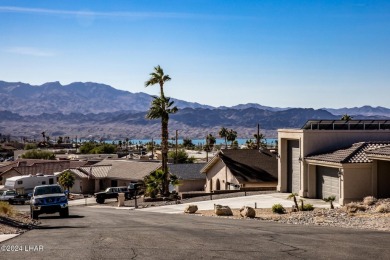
307, 207
6, 209
369, 200
354, 207
383, 208
30, 146
278, 208
38, 154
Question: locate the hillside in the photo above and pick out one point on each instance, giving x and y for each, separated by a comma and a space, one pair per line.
92, 109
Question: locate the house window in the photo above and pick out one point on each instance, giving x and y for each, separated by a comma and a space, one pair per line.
51, 181
44, 182
20, 182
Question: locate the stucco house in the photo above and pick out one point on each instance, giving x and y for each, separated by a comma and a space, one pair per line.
110, 173
334, 157
33, 167
243, 169
189, 176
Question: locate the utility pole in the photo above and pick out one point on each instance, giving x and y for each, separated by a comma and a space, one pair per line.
176, 149
258, 136
152, 150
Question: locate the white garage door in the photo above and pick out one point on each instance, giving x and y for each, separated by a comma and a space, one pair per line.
327, 182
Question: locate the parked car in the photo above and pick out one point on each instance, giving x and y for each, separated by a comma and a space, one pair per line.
7, 195
19, 199
111, 193
48, 199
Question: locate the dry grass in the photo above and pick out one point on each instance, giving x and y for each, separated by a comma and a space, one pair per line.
6, 209
369, 200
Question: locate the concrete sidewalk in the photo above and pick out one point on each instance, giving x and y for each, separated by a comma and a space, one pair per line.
260, 201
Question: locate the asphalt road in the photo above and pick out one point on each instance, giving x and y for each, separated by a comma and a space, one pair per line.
99, 233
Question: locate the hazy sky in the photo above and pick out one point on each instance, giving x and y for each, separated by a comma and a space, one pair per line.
217, 52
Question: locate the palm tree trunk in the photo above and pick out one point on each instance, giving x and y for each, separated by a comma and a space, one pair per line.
164, 153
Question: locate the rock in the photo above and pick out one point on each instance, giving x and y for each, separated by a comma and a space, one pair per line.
247, 212
222, 210
191, 209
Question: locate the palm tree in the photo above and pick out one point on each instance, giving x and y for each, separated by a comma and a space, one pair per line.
161, 107
231, 136
159, 77
346, 117
158, 110
223, 133
67, 180
330, 199
294, 197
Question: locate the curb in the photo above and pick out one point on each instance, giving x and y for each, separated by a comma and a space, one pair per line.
6, 237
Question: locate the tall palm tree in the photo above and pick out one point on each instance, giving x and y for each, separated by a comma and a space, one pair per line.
223, 133
158, 77
161, 107
231, 136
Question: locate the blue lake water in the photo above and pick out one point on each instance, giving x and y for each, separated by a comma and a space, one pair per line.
241, 141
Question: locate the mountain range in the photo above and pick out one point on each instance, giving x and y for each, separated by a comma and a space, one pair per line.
93, 109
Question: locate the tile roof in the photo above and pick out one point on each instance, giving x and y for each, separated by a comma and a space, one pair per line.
79, 173
130, 170
76, 164
97, 171
33, 167
353, 154
249, 165
384, 151
187, 171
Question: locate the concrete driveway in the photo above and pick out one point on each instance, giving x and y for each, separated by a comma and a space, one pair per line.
259, 201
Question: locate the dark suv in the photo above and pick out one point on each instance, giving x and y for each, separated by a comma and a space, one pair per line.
48, 199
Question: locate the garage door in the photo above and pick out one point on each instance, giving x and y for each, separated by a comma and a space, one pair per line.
327, 182
383, 179
293, 166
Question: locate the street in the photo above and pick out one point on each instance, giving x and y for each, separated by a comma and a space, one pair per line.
99, 233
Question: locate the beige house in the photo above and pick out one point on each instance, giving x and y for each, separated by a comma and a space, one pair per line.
331, 157
33, 167
110, 173
243, 169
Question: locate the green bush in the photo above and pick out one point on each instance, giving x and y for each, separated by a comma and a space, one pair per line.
38, 154
95, 148
278, 208
307, 207
30, 146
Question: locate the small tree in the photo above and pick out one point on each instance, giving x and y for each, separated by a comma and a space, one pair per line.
182, 156
38, 154
66, 180
187, 143
294, 197
346, 117
330, 199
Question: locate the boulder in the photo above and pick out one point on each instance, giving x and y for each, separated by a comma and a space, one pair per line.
191, 209
222, 210
247, 212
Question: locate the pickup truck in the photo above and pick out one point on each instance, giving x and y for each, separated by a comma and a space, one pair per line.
48, 199
111, 193
7, 195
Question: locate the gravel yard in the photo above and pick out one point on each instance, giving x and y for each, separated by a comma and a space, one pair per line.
361, 217
16, 224
365, 218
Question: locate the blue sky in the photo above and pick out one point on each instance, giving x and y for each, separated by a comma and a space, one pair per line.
217, 52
